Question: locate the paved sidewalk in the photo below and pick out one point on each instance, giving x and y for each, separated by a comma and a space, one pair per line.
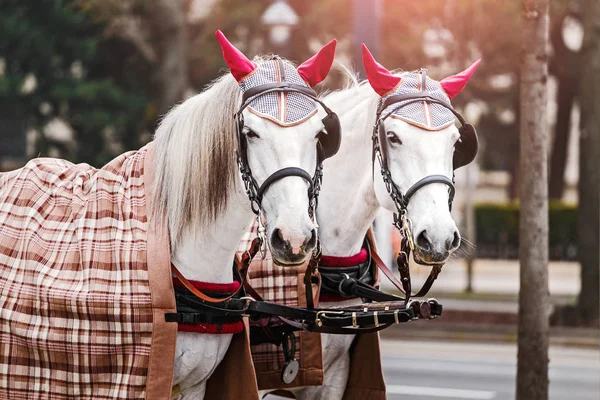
494, 276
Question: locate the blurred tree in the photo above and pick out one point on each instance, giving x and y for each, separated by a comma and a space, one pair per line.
319, 22
150, 38
447, 37
49, 50
532, 357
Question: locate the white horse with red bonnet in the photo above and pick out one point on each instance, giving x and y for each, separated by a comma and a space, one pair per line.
202, 198
79, 261
420, 142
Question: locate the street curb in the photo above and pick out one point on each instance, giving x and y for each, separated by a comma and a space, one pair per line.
485, 331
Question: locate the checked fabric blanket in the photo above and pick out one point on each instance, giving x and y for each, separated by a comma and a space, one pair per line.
84, 283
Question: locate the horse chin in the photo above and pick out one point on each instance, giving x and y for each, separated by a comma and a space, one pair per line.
285, 262
432, 261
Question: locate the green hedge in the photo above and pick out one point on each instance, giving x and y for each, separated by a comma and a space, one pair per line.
498, 230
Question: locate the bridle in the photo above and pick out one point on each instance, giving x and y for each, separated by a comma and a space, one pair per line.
465, 151
328, 145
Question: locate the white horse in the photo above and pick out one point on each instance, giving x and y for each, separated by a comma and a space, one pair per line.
352, 194
201, 197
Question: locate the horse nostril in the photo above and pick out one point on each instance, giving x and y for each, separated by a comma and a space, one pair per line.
456, 240
423, 241
312, 241
277, 239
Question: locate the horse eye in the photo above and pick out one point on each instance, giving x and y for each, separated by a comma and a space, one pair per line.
393, 138
250, 133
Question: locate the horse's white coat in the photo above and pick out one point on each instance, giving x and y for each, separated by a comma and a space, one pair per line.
351, 196
204, 245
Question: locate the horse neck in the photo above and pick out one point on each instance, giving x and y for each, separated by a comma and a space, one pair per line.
206, 253
347, 202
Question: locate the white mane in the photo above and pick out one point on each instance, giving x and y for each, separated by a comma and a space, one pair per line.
195, 157
357, 99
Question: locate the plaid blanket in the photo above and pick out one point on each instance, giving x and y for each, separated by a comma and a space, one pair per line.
84, 284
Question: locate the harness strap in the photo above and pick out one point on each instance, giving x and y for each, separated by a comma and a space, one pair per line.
335, 330
308, 280
352, 288
246, 258
405, 285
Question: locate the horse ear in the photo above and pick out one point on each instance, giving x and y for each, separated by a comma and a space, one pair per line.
316, 68
381, 80
454, 84
239, 65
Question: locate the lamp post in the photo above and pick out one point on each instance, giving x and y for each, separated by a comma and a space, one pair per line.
280, 17
367, 15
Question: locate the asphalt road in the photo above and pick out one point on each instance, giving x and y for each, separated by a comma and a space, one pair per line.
451, 370
434, 370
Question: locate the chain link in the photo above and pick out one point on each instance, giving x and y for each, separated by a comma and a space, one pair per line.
401, 222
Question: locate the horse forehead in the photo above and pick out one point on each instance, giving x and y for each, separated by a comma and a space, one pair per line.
282, 108
425, 115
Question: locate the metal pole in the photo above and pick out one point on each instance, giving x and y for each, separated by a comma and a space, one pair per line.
366, 30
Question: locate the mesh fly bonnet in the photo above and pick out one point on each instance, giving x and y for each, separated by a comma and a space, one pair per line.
425, 115
283, 108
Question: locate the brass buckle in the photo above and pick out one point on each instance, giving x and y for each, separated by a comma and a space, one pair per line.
396, 316
375, 318
262, 234
319, 313
354, 323
407, 231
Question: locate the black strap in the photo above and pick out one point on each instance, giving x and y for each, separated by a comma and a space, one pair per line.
261, 309
350, 287
427, 181
282, 173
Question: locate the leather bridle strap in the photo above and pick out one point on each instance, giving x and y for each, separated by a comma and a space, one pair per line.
405, 274
246, 259
283, 173
427, 181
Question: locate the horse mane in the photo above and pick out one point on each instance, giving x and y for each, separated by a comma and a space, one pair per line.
195, 166
357, 99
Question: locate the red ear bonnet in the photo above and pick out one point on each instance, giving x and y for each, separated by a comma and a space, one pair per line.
454, 84
316, 68
381, 80
239, 65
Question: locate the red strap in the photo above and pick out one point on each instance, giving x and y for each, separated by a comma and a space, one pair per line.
332, 261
